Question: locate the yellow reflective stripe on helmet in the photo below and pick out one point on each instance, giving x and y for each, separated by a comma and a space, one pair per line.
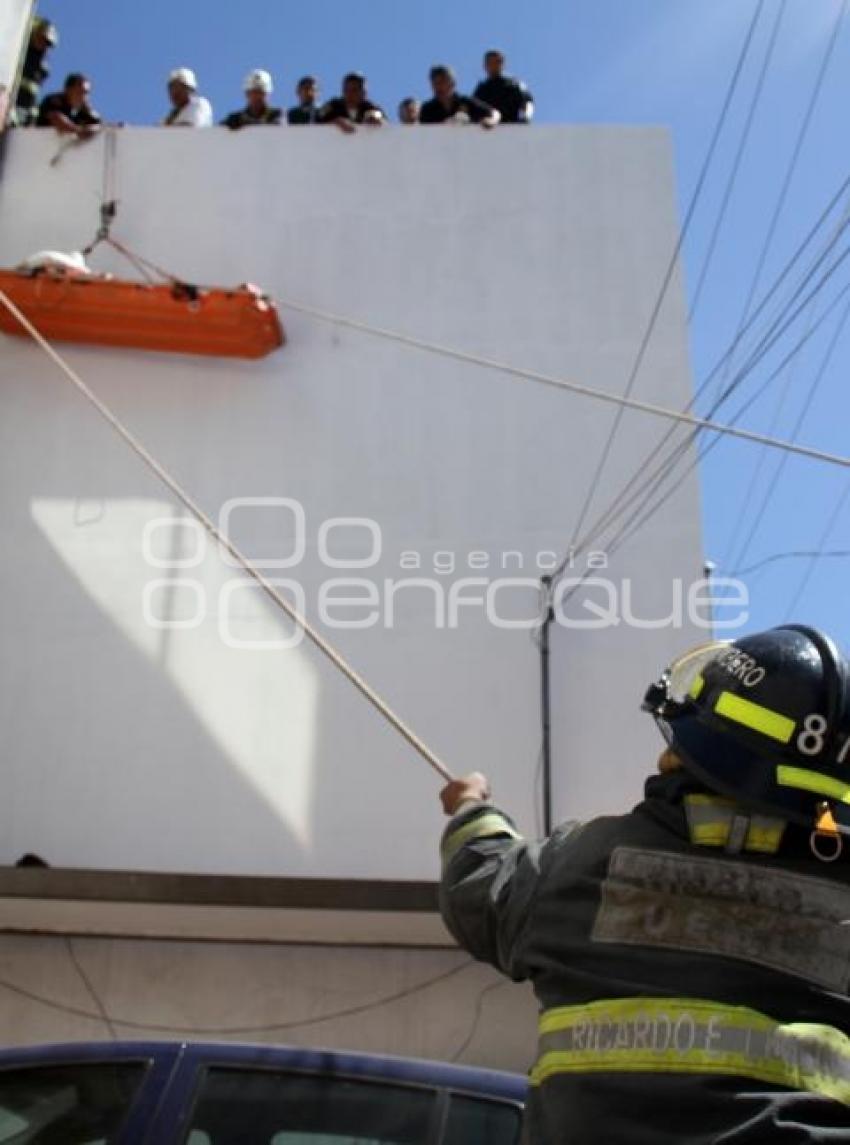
805, 780
754, 716
481, 827
697, 686
682, 1035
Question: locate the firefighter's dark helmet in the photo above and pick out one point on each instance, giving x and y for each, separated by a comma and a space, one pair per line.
765, 720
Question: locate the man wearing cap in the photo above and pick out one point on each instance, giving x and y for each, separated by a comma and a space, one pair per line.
257, 111
188, 109
43, 37
691, 958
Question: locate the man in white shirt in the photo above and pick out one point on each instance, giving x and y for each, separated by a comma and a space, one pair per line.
188, 109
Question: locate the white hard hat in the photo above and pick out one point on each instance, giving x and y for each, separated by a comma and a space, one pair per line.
185, 76
258, 80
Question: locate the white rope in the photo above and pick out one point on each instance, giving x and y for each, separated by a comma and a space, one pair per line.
571, 387
329, 651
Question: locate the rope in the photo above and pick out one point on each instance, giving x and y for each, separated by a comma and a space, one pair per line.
524, 375
318, 640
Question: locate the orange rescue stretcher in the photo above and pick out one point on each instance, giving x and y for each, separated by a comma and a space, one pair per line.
174, 317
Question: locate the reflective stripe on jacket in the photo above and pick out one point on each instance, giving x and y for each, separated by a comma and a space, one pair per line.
692, 962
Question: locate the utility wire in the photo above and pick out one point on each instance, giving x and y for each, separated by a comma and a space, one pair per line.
620, 501
593, 484
815, 557
773, 483
795, 156
638, 522
225, 1031
268, 588
739, 155
792, 554
641, 485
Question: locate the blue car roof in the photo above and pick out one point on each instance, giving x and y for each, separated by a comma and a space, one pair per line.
418, 1071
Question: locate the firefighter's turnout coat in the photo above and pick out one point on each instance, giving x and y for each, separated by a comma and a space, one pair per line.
691, 962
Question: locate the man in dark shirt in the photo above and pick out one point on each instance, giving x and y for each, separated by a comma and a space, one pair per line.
408, 111
43, 37
258, 87
352, 107
448, 106
307, 111
69, 110
509, 96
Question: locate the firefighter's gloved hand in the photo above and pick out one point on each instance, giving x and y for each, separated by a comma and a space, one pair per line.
474, 786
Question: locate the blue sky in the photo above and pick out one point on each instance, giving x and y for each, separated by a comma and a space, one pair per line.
593, 61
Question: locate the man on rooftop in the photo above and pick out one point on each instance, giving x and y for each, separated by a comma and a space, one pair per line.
257, 111
353, 106
188, 109
69, 110
448, 106
509, 96
307, 110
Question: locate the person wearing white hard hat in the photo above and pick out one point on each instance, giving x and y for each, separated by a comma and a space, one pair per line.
188, 109
258, 87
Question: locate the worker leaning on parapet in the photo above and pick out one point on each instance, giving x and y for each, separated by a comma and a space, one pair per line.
510, 97
353, 106
69, 110
188, 109
43, 37
258, 86
691, 958
448, 106
306, 111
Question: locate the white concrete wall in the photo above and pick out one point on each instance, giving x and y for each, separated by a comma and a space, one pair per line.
420, 1003
128, 747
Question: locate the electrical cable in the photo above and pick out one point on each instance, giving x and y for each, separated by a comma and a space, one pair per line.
90, 990
595, 478
225, 1031
736, 164
808, 574
792, 554
773, 483
615, 506
795, 156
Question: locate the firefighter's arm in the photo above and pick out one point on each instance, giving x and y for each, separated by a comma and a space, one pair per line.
489, 877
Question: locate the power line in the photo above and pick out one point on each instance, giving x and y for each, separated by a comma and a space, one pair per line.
792, 554
593, 484
773, 484
622, 498
739, 155
644, 486
265, 1028
815, 557
795, 156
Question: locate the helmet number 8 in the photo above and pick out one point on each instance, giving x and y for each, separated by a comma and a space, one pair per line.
811, 739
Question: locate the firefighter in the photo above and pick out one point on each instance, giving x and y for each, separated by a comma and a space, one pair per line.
43, 37
691, 958
258, 87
